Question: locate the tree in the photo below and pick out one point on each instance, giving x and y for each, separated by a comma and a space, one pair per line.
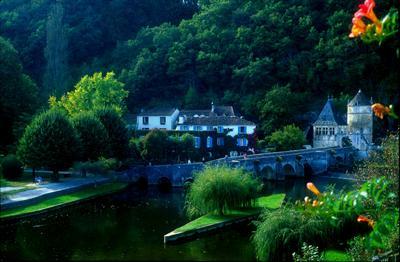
218, 189
93, 93
92, 134
155, 146
49, 141
187, 145
117, 133
55, 51
18, 94
288, 138
279, 107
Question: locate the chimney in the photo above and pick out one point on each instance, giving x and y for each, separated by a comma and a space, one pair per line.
212, 106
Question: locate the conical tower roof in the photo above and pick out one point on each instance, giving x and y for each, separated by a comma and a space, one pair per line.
360, 100
328, 115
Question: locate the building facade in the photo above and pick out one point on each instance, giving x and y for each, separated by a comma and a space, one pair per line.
331, 129
157, 118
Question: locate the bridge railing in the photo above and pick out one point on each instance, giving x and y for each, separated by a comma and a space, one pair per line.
280, 153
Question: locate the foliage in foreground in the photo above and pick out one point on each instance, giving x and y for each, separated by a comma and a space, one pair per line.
383, 162
49, 141
219, 189
308, 253
284, 230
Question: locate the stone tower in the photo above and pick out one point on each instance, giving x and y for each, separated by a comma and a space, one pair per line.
359, 121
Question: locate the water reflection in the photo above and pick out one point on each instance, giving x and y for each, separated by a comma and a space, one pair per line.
130, 226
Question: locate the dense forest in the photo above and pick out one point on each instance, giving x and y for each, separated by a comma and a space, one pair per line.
274, 60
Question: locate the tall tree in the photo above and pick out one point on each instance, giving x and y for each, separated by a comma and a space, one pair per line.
17, 94
56, 51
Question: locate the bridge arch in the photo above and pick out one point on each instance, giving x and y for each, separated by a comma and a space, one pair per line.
288, 170
308, 170
164, 183
267, 173
142, 181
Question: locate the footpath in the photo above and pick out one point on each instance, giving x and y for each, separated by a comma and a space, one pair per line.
48, 190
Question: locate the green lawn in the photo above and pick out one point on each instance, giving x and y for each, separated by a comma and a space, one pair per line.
335, 255
270, 202
65, 199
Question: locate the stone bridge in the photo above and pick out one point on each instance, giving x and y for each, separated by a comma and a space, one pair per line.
267, 166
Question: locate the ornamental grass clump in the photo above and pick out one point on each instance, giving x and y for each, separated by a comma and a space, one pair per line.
220, 189
281, 232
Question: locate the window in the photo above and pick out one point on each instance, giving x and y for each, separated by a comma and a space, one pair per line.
209, 142
145, 120
242, 130
198, 128
220, 141
318, 131
184, 128
197, 142
242, 141
331, 131
220, 129
162, 120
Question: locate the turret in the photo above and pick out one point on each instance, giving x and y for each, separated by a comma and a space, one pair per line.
359, 121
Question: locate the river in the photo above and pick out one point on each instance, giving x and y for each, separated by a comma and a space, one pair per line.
130, 226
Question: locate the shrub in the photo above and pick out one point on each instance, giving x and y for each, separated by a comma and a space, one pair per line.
357, 250
49, 141
283, 231
383, 162
289, 138
218, 189
101, 166
92, 134
155, 146
11, 167
308, 253
116, 132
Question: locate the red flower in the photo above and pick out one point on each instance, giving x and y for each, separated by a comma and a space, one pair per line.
365, 10
363, 219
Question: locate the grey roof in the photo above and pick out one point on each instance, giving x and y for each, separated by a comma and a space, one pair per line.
218, 111
192, 113
360, 100
224, 111
329, 116
217, 121
159, 111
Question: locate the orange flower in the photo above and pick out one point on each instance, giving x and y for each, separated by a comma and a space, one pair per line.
313, 189
315, 203
364, 219
380, 110
358, 28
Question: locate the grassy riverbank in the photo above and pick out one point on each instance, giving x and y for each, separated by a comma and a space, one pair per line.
270, 202
58, 201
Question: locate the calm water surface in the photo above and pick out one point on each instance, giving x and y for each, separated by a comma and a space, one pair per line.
130, 226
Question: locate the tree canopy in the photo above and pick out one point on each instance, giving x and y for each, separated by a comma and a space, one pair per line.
92, 93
